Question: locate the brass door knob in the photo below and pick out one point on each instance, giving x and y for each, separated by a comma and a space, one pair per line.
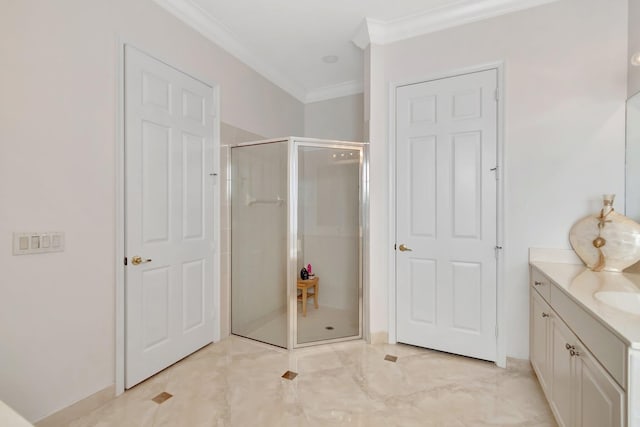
138, 260
403, 248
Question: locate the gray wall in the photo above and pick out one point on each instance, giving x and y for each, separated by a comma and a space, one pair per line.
565, 68
58, 112
634, 46
339, 118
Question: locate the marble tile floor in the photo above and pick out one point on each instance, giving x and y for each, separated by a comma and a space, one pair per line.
238, 382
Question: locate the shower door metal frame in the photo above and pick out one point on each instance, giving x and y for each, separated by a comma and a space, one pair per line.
293, 143
292, 226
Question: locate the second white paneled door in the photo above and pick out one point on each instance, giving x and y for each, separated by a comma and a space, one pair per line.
169, 157
446, 136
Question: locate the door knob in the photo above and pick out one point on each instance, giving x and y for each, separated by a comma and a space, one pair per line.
403, 248
138, 260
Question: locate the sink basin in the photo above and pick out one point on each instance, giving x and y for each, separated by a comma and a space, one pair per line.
628, 302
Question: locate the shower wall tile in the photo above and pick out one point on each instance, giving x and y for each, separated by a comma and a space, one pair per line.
329, 227
258, 243
335, 261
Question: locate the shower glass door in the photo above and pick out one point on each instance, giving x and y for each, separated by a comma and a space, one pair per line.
329, 229
259, 242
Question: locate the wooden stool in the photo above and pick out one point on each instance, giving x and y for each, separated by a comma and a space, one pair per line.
303, 286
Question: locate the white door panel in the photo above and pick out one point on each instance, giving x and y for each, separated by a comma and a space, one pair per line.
169, 152
446, 214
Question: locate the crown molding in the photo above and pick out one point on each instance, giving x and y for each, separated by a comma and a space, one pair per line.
352, 87
361, 38
200, 20
459, 13
371, 31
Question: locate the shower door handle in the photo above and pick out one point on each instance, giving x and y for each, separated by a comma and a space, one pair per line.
403, 248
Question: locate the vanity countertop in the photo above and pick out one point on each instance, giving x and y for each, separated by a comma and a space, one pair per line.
581, 284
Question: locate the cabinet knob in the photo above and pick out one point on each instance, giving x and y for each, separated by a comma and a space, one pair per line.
570, 347
537, 283
545, 314
575, 353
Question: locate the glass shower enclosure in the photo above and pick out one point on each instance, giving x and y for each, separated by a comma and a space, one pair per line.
297, 202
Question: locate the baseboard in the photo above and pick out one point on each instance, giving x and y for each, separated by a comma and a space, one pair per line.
380, 337
519, 364
64, 416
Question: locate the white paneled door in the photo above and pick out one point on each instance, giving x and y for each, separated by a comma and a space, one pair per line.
446, 135
169, 156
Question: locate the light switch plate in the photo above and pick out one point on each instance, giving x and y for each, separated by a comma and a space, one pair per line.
29, 243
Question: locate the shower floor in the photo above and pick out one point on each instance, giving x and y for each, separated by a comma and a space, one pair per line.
311, 328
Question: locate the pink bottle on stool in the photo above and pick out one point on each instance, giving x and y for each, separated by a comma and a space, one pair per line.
311, 275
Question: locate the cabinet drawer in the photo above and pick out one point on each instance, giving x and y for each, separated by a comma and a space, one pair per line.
540, 283
608, 349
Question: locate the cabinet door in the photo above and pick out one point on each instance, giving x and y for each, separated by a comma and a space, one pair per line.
560, 378
599, 400
538, 347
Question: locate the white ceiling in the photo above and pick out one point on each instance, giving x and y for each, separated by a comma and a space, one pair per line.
285, 40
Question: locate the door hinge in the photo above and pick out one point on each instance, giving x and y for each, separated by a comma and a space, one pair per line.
214, 175
395, 247
125, 260
498, 249
495, 169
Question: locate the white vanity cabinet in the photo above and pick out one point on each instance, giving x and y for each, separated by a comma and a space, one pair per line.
580, 390
598, 398
539, 338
